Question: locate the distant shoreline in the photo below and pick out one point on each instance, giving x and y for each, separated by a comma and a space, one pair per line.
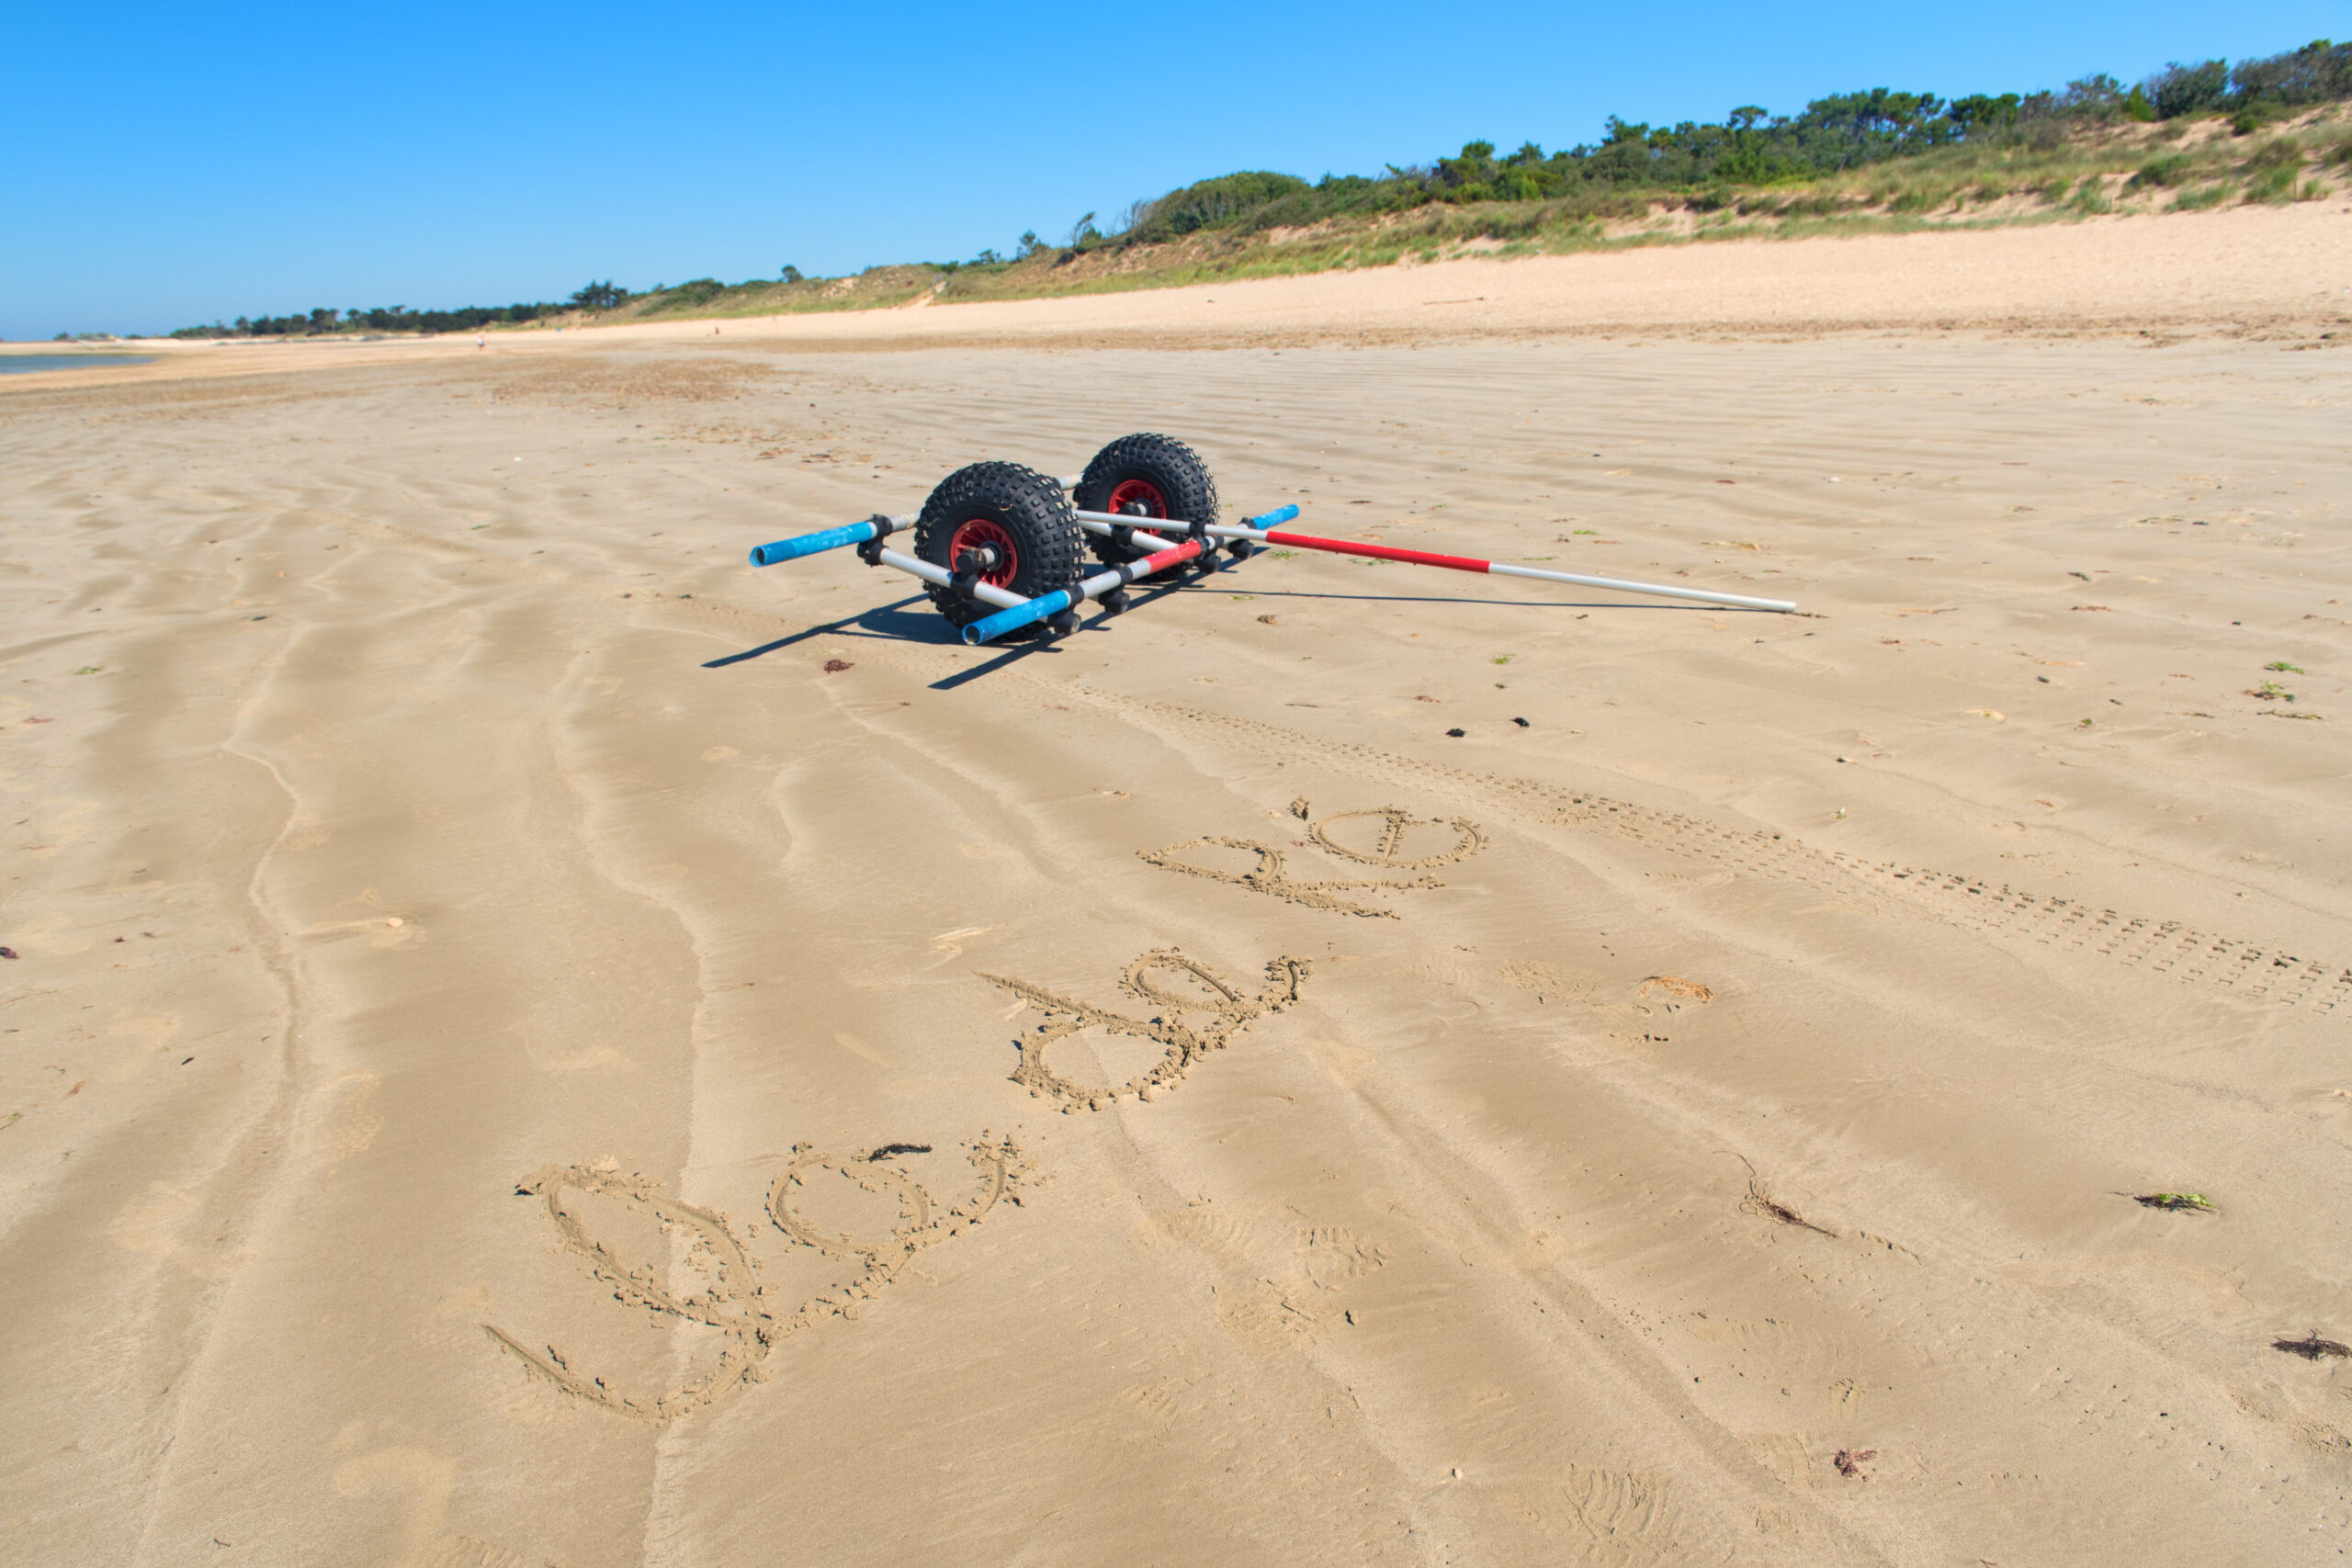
2272, 273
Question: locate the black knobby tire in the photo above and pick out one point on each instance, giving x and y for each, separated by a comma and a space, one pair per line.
1009, 505
1166, 475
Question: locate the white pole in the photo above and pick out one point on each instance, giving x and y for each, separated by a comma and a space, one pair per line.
987, 593
1103, 522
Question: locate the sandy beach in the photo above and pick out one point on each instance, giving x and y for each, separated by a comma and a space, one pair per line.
619, 1057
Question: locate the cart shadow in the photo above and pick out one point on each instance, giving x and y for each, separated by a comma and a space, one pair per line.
893, 622
903, 622
898, 622
1009, 656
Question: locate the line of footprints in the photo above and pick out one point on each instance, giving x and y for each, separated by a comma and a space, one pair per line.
1197, 1011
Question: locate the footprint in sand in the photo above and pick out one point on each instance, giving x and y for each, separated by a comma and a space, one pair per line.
1546, 980
1276, 1282
1643, 1021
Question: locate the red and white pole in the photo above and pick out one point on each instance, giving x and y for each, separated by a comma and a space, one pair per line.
1286, 538
1505, 569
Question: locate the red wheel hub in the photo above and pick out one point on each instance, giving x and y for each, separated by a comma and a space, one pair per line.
983, 530
1133, 491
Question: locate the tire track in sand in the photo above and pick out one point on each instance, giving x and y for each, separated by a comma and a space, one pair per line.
2151, 943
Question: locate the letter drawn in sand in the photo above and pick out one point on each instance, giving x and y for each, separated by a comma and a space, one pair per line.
1395, 823
1270, 876
730, 1303
1228, 1011
733, 1303
1001, 1166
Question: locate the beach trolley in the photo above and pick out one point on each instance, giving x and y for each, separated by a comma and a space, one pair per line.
1003, 550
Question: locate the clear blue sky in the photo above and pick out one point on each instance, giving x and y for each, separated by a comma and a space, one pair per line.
167, 166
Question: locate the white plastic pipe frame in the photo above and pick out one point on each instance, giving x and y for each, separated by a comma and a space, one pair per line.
1047, 606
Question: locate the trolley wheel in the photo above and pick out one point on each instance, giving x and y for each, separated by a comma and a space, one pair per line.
1017, 515
1159, 473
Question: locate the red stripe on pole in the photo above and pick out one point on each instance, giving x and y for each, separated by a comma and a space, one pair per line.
1167, 559
1382, 552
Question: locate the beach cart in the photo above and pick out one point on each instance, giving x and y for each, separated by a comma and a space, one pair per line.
1003, 550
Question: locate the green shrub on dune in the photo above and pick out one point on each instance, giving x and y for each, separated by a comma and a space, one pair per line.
1876, 156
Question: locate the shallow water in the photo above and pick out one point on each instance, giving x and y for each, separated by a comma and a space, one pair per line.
24, 363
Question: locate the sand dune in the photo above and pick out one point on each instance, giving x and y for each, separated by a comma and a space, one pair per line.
511, 1060
2245, 271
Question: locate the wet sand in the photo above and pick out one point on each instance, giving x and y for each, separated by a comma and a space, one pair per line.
510, 1060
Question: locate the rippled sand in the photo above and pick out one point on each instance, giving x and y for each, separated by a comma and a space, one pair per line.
511, 1061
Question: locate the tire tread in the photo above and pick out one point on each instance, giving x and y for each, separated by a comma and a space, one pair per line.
1170, 464
1031, 506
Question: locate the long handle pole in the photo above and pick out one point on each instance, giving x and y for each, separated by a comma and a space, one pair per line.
1504, 568
1099, 521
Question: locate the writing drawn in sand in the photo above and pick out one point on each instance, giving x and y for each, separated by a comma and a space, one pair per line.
1270, 875
731, 1300
1205, 992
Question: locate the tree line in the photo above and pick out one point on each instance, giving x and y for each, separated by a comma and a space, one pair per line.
1750, 146
605, 296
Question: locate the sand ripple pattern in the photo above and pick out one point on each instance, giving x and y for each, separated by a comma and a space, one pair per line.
2256, 971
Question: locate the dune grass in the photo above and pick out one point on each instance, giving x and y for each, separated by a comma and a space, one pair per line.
2180, 166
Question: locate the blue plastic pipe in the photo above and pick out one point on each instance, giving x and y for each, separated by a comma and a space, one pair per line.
813, 544
1038, 609
1268, 519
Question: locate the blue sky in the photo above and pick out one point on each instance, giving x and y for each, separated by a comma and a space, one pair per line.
172, 164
